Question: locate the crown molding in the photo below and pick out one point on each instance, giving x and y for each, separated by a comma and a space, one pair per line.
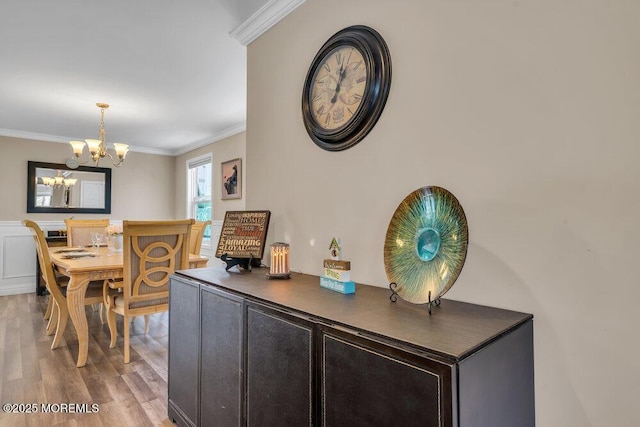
230, 131
65, 140
32, 135
234, 130
266, 17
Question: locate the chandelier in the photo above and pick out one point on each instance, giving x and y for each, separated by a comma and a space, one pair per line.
50, 181
97, 147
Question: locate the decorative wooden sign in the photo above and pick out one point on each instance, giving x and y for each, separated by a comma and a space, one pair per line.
337, 264
243, 234
334, 249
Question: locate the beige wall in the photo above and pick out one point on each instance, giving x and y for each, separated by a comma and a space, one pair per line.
149, 175
528, 112
229, 148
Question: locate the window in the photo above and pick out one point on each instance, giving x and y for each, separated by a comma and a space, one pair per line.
199, 178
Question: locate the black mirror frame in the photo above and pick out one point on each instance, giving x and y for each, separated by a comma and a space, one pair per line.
31, 189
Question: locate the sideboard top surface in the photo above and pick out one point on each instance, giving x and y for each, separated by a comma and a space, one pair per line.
454, 330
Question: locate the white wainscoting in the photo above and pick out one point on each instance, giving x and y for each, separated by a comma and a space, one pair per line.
18, 256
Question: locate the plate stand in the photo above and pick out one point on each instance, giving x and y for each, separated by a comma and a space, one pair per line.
394, 297
242, 262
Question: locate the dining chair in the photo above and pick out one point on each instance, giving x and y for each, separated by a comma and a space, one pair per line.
195, 244
197, 234
79, 230
79, 233
57, 293
153, 251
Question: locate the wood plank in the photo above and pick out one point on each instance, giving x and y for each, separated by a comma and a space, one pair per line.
30, 372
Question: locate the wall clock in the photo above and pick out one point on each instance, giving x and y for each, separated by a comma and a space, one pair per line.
346, 88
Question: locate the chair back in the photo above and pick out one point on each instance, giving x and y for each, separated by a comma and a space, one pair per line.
153, 251
79, 230
44, 259
197, 234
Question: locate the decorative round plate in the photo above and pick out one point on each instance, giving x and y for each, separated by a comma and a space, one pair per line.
426, 244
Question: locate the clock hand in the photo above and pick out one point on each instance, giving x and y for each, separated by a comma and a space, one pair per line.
343, 72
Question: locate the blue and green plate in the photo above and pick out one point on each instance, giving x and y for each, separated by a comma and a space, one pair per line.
426, 244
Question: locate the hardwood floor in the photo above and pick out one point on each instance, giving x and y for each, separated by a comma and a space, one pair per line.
31, 373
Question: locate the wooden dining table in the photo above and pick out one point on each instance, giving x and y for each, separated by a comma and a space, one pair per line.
84, 269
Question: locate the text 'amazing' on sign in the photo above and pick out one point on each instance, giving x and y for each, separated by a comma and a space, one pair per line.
243, 234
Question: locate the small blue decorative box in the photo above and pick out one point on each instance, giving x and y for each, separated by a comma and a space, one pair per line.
334, 285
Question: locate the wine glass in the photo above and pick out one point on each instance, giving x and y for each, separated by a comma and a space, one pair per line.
94, 240
99, 237
111, 244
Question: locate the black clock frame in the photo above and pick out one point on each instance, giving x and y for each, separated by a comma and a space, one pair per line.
378, 63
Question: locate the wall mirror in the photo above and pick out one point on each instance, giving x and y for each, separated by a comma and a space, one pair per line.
55, 188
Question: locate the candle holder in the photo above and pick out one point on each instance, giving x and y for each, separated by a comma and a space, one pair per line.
279, 268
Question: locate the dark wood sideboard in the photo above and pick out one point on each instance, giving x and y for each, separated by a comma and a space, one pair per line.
248, 351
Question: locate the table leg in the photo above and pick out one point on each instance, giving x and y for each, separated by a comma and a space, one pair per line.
75, 302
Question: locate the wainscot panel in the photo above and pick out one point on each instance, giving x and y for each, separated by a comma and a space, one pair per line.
18, 256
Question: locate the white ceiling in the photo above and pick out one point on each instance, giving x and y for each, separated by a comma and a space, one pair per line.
172, 73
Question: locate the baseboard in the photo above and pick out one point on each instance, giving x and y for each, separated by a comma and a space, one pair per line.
24, 288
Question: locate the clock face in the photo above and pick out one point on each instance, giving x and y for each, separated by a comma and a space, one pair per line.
346, 88
339, 85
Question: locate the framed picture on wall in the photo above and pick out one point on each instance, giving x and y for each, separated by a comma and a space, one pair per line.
231, 178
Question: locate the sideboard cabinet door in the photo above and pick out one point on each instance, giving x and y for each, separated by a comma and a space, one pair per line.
221, 385
366, 383
279, 368
184, 328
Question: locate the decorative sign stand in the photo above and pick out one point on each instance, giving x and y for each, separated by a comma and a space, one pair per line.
242, 238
